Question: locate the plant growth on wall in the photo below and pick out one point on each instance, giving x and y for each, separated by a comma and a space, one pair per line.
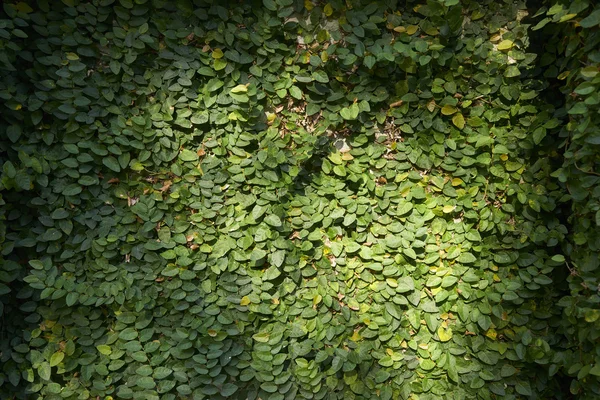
287, 199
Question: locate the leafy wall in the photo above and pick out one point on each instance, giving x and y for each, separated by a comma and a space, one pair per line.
286, 199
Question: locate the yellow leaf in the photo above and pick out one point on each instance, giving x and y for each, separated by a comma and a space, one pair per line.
72, 56
448, 208
504, 157
491, 333
505, 45
496, 278
496, 38
448, 109
400, 29
308, 5
457, 182
592, 315
567, 17
328, 10
411, 29
431, 105
217, 53
245, 301
444, 334
317, 299
271, 116
212, 333
240, 89
356, 336
459, 121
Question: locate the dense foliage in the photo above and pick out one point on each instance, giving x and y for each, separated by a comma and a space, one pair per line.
287, 199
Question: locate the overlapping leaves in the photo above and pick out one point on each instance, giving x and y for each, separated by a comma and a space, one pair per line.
278, 200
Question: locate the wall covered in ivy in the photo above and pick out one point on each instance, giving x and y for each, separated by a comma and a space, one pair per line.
287, 199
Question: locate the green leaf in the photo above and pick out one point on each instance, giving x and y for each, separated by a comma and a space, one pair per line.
146, 382
36, 264
271, 273
466, 258
262, 337
591, 20
394, 310
512, 71
502, 258
320, 76
410, 253
104, 349
427, 364
128, 334
111, 163
273, 220
144, 370
523, 388
404, 208
350, 113
270, 5
278, 257
72, 298
448, 281
56, 358
393, 241
188, 155
295, 92
44, 371
269, 387
405, 284
161, 372
228, 389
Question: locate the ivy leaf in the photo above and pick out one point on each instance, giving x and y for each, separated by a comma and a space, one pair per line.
273, 220
459, 121
228, 389
56, 358
448, 110
405, 285
245, 301
239, 89
350, 113
512, 72
128, 334
188, 155
111, 163
104, 349
591, 20
394, 310
44, 371
505, 45
445, 334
